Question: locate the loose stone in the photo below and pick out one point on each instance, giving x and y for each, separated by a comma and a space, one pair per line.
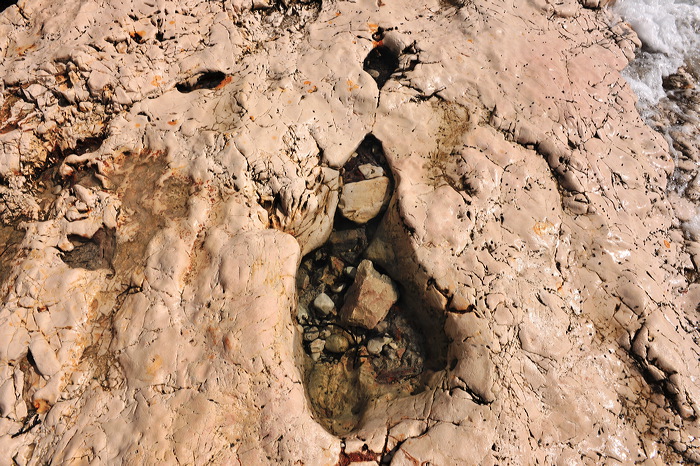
370, 171
370, 297
376, 345
303, 314
311, 334
363, 200
324, 304
337, 344
316, 348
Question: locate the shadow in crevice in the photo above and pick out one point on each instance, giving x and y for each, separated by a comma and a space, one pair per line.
92, 253
380, 63
205, 80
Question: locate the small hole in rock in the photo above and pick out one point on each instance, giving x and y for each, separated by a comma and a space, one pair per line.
206, 80
381, 63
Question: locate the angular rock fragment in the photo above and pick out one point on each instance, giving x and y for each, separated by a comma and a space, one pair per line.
363, 200
369, 298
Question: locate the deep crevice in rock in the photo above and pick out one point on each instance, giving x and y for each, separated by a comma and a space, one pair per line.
206, 80
353, 356
380, 63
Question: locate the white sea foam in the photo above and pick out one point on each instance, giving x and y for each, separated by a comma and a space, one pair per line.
670, 35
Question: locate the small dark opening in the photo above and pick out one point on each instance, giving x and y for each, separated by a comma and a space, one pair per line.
381, 63
206, 80
5, 4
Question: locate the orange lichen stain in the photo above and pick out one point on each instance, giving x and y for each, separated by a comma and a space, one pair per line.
224, 82
171, 22
228, 344
157, 80
252, 118
667, 244
312, 90
137, 125
470, 41
22, 50
542, 228
41, 406
137, 33
172, 122
377, 43
306, 83
154, 366
352, 86
373, 27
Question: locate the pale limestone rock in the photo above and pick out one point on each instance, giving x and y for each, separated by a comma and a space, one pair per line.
369, 298
529, 215
363, 200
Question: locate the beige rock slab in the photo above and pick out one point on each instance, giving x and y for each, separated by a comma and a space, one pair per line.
361, 201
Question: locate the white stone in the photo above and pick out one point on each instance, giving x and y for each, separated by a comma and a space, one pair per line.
370, 171
324, 304
376, 345
44, 356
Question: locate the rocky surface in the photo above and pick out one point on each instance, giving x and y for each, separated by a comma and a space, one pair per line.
170, 179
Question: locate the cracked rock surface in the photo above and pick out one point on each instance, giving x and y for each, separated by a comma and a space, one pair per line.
171, 173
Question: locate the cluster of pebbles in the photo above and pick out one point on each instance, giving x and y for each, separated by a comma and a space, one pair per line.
358, 339
348, 310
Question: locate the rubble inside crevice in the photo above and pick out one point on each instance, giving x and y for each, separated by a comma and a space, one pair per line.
362, 334
516, 248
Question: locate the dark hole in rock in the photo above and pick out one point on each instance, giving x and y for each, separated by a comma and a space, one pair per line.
206, 80
347, 365
5, 4
381, 63
94, 253
370, 152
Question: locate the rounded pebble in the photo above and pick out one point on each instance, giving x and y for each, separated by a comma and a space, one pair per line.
337, 344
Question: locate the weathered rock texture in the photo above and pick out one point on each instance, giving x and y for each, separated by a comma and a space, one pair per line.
191, 153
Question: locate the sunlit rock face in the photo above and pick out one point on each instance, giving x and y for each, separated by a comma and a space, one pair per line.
170, 180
